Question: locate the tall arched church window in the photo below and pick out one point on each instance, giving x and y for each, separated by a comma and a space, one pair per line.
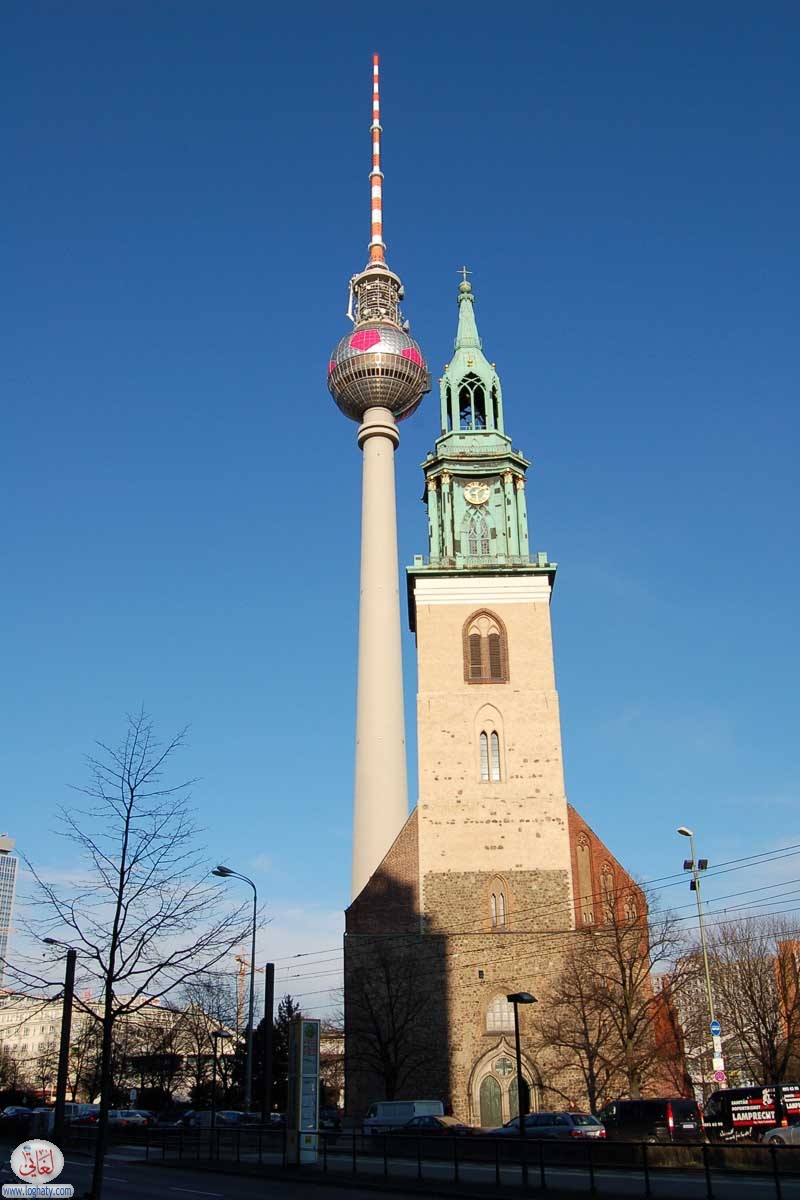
484, 757
493, 908
585, 900
500, 1015
485, 649
607, 888
501, 909
476, 538
448, 403
494, 746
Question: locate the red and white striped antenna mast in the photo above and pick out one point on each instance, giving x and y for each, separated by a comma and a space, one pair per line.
376, 246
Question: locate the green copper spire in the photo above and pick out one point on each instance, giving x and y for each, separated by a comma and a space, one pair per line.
471, 397
474, 478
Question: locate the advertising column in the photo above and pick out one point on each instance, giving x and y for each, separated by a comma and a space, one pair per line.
303, 1099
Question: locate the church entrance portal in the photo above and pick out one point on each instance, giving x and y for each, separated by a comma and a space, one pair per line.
494, 1087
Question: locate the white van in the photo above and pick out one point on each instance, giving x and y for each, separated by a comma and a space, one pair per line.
385, 1115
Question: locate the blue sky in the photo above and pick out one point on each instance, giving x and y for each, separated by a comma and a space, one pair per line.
185, 199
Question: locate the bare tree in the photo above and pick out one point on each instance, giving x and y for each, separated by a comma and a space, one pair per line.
634, 941
209, 1005
145, 919
390, 1010
44, 1068
605, 1017
577, 1031
754, 967
85, 1055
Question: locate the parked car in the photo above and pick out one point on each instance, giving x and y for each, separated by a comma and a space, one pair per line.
437, 1125
75, 1108
668, 1120
201, 1118
783, 1135
386, 1115
135, 1117
89, 1115
277, 1118
329, 1118
14, 1112
554, 1126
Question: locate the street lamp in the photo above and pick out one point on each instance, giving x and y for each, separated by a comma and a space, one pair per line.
66, 1027
696, 865
517, 998
228, 873
216, 1033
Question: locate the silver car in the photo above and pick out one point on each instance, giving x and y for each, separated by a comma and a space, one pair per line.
554, 1125
783, 1135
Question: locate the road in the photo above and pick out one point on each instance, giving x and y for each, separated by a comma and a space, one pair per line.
128, 1179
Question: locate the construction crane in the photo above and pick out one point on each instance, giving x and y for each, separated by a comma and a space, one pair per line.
241, 977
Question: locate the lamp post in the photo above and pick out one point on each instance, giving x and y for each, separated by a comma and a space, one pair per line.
696, 865
227, 873
215, 1035
66, 1028
517, 998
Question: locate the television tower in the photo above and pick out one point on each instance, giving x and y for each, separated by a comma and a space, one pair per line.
377, 376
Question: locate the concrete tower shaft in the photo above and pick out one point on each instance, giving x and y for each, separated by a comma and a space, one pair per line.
381, 787
377, 376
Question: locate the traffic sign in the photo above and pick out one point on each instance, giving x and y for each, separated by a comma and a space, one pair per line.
719, 1076
716, 1028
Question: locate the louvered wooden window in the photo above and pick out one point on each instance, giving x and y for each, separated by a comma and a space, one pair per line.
495, 657
485, 649
475, 656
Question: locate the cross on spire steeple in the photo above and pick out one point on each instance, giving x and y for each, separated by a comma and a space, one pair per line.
463, 272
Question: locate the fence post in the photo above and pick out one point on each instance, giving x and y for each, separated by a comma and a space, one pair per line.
455, 1158
355, 1165
542, 1179
646, 1169
707, 1169
385, 1155
592, 1185
773, 1150
419, 1157
497, 1162
325, 1152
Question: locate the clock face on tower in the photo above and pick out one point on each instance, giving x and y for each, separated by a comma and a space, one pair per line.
476, 492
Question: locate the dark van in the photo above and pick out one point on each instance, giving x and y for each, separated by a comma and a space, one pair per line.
672, 1120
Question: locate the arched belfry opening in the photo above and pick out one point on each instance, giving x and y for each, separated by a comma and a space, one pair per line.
471, 403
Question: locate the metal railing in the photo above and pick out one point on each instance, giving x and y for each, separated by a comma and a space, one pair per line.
685, 1170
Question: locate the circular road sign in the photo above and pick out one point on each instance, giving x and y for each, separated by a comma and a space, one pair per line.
716, 1029
719, 1076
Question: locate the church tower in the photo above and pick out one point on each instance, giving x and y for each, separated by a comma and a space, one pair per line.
474, 899
492, 805
377, 376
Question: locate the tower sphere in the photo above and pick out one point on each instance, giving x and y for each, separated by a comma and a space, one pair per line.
378, 364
